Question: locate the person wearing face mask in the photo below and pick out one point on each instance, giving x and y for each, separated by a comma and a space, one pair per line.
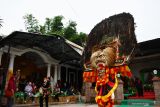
109, 48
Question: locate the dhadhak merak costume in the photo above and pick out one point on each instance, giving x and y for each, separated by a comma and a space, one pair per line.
110, 46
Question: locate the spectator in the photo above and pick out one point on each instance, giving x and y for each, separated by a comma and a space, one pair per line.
17, 77
29, 91
46, 91
59, 85
12, 88
34, 87
139, 86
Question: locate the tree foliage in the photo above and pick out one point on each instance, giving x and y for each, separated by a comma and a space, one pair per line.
55, 26
31, 23
70, 31
0, 22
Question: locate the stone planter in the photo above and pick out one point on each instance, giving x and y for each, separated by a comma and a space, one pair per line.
62, 99
68, 99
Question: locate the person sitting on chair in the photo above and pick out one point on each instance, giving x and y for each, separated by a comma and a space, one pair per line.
29, 91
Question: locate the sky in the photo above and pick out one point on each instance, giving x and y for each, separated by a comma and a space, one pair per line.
86, 13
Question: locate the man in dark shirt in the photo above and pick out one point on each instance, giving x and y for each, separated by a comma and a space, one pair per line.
46, 91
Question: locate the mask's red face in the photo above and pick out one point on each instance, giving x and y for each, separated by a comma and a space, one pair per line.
101, 69
101, 66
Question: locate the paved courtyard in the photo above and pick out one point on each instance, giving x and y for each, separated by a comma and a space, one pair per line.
94, 105
85, 105
125, 103
75, 105
60, 105
63, 105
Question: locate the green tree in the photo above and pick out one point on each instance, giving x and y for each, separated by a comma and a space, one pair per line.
81, 39
42, 29
31, 23
47, 25
55, 26
70, 31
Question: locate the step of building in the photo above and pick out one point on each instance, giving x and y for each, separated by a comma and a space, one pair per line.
138, 102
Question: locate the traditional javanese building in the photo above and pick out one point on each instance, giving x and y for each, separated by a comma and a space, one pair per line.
146, 60
35, 56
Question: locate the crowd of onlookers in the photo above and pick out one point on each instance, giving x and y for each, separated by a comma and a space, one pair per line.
43, 90
30, 90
